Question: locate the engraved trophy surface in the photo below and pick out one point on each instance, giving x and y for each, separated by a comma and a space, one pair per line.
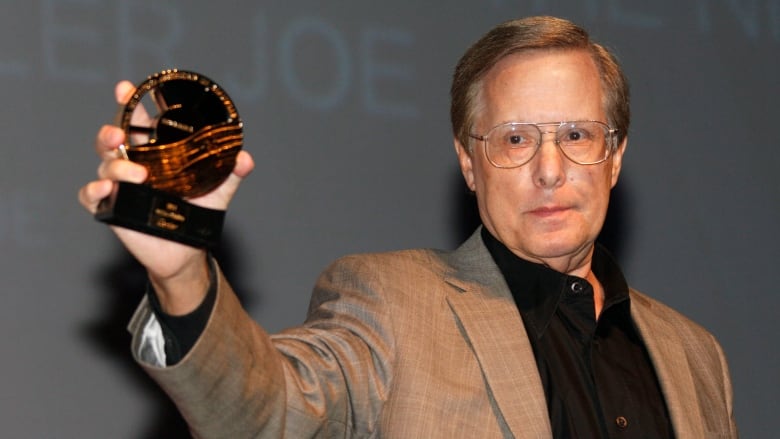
186, 130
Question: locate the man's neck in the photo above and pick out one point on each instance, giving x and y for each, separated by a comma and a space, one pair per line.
598, 293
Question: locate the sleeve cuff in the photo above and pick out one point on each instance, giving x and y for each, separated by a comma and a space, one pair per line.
181, 332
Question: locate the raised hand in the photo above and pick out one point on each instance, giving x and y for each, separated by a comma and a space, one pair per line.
178, 272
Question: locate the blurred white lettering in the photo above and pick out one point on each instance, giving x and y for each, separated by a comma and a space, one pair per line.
314, 61
374, 70
133, 45
317, 67
309, 31
621, 13
69, 43
755, 19
257, 87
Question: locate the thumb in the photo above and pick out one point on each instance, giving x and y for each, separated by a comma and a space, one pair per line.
221, 196
244, 164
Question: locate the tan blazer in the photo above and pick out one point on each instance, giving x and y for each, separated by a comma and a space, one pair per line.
413, 344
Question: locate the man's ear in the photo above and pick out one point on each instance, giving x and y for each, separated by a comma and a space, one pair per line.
617, 160
466, 164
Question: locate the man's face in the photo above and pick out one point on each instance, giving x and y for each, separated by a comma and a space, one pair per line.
549, 210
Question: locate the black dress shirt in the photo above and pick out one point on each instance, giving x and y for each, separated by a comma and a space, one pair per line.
597, 376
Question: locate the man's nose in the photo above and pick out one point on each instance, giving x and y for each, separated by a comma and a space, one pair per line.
548, 164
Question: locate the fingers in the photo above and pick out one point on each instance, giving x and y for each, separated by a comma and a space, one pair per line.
107, 141
109, 171
91, 193
109, 137
123, 91
122, 170
112, 168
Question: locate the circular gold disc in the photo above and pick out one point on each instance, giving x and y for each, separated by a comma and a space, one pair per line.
185, 129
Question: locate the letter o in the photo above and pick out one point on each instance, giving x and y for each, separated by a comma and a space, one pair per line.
330, 96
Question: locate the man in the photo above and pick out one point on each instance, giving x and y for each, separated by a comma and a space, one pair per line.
527, 330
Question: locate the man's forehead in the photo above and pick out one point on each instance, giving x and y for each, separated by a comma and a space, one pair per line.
541, 86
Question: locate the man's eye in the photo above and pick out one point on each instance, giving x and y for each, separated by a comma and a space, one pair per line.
515, 139
576, 136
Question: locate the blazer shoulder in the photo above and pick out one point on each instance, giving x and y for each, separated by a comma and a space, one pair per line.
399, 280
391, 263
648, 307
658, 322
471, 256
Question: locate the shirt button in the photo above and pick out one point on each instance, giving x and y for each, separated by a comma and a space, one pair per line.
576, 287
621, 422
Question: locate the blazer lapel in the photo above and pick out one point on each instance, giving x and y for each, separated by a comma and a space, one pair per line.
671, 366
492, 324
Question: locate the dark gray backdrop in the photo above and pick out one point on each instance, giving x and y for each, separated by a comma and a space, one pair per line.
346, 113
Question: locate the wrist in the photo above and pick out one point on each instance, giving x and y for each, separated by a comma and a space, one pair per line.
182, 292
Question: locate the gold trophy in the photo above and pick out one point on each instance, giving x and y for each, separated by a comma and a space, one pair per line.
185, 129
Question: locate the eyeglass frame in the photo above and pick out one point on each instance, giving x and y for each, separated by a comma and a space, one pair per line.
609, 137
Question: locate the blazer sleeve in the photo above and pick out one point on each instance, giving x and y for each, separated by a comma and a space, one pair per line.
328, 377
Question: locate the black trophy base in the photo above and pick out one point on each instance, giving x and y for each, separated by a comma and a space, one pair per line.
151, 211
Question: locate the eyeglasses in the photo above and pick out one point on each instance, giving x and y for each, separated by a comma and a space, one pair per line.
513, 144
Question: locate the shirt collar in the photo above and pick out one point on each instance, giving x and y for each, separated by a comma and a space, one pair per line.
538, 289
